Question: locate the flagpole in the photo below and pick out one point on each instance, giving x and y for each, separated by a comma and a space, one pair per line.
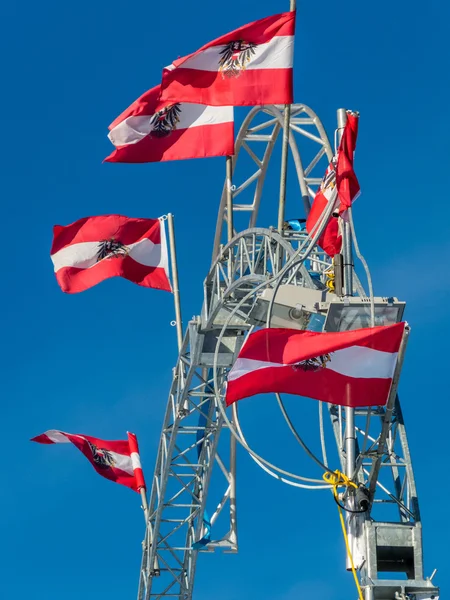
176, 291
143, 493
284, 153
350, 431
229, 177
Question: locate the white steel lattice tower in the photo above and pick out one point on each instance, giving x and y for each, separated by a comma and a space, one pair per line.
258, 268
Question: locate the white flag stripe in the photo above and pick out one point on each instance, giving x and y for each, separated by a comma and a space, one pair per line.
135, 460
57, 437
135, 128
164, 255
357, 361
84, 255
276, 54
121, 461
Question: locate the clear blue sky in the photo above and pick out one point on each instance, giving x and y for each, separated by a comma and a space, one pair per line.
100, 362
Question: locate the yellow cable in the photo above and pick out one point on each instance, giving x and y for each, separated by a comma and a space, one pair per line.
337, 479
347, 545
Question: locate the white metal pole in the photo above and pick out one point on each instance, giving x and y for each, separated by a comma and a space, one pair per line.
176, 291
229, 177
233, 513
350, 432
346, 233
143, 492
284, 154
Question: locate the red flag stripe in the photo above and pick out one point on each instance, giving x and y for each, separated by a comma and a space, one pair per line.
251, 88
195, 142
287, 346
258, 32
72, 280
94, 229
324, 385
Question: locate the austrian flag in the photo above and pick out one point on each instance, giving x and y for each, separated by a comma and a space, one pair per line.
250, 66
116, 460
96, 248
349, 368
148, 131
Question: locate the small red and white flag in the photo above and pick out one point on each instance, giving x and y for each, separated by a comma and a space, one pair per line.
346, 180
97, 248
330, 240
350, 368
118, 461
250, 66
151, 131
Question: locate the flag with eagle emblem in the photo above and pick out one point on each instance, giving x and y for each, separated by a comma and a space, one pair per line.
97, 248
339, 177
118, 461
148, 131
250, 66
349, 368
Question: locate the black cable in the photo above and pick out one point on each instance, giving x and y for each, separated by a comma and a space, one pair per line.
349, 510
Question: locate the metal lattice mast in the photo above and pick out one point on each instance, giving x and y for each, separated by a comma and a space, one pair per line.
189, 453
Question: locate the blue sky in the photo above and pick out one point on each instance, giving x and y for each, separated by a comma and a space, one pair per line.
100, 362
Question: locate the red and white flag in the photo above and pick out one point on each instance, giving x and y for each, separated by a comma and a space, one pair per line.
340, 176
350, 368
151, 131
96, 248
346, 180
250, 66
330, 240
118, 461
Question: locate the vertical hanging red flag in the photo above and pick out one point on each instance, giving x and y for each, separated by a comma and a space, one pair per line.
341, 175
346, 180
330, 239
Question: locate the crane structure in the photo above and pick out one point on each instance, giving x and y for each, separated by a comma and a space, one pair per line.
281, 277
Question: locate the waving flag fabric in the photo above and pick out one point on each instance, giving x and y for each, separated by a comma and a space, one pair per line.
116, 460
330, 240
350, 368
339, 175
145, 132
250, 66
346, 180
96, 248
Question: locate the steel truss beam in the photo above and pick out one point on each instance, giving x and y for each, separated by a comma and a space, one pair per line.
191, 447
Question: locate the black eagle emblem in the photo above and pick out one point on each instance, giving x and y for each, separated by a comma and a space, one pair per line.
313, 364
111, 248
101, 457
235, 57
165, 121
329, 180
